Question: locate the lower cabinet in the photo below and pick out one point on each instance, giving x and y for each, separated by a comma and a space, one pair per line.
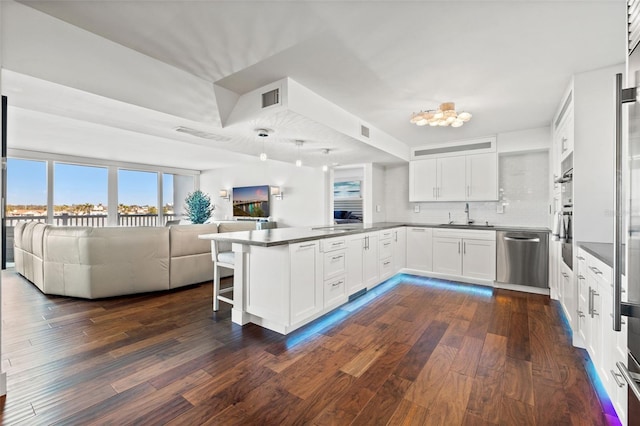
362, 262
464, 253
594, 311
399, 248
568, 294
419, 248
306, 280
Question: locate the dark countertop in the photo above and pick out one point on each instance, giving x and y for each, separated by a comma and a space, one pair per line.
281, 236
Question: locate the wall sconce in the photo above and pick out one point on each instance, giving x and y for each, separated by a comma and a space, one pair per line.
277, 192
224, 194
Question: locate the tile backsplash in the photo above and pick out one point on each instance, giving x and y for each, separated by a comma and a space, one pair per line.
523, 188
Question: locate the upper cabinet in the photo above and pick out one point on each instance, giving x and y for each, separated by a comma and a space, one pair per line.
455, 172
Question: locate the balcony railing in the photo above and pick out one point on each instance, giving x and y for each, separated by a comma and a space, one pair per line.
94, 219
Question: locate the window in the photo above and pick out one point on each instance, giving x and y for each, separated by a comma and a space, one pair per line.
26, 190
80, 195
137, 198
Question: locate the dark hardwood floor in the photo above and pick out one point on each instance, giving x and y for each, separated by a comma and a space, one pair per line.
413, 351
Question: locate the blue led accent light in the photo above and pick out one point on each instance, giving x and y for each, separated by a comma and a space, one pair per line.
321, 324
470, 289
603, 396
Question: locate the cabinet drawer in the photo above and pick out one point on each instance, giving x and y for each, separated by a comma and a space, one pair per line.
385, 269
385, 249
335, 291
334, 264
386, 234
330, 244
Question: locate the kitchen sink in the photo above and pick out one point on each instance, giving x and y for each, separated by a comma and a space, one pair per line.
336, 228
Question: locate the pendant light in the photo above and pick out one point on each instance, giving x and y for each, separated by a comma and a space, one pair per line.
263, 134
325, 166
299, 160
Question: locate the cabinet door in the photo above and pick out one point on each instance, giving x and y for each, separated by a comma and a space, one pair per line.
422, 180
370, 261
594, 347
479, 259
399, 249
447, 255
355, 252
451, 178
569, 295
582, 311
482, 177
306, 280
419, 249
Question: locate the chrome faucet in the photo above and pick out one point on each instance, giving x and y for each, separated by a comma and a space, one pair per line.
466, 210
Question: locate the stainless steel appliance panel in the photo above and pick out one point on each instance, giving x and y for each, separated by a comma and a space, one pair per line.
523, 258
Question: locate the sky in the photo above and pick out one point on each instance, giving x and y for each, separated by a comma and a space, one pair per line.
73, 184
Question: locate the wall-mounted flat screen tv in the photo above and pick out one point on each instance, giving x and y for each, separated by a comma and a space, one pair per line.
251, 201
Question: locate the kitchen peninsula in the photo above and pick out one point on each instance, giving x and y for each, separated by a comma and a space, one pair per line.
287, 277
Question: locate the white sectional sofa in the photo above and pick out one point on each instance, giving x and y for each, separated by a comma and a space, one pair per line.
92, 262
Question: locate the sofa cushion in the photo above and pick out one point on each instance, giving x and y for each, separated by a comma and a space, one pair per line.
236, 226
184, 241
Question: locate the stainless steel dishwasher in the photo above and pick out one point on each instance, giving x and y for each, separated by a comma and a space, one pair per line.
523, 258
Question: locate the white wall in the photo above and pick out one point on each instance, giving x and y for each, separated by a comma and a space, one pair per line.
379, 208
523, 179
304, 202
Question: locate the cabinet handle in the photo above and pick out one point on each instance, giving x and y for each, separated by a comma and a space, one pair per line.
594, 293
580, 313
337, 283
579, 257
458, 247
580, 277
307, 245
336, 244
396, 237
615, 377
564, 274
386, 244
387, 263
590, 302
418, 229
595, 270
464, 247
337, 257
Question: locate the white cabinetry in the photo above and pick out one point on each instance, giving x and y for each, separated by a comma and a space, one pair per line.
334, 271
362, 261
457, 178
470, 254
568, 294
419, 248
399, 248
306, 280
482, 177
604, 345
385, 254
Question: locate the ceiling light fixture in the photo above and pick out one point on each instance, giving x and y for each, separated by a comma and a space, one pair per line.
325, 166
299, 160
445, 115
263, 133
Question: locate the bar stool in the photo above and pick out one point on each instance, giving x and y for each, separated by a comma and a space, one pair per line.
222, 257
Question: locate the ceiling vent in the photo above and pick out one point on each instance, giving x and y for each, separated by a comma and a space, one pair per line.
364, 131
202, 134
271, 98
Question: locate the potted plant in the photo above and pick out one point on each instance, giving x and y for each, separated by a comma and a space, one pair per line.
198, 207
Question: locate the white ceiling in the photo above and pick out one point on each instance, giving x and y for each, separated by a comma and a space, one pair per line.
507, 62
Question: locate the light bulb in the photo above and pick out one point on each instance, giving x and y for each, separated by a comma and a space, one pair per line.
263, 156
298, 163
325, 168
